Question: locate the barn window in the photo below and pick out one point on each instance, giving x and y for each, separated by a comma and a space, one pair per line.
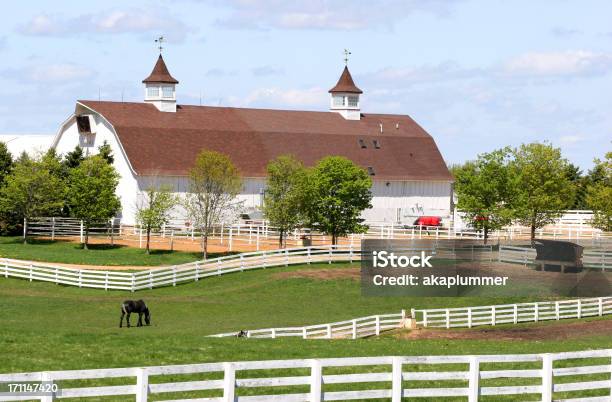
167, 92
353, 101
83, 124
371, 171
376, 144
153, 92
338, 100
362, 144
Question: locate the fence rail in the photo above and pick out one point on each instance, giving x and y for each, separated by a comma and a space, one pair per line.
152, 278
512, 313
594, 259
572, 376
355, 328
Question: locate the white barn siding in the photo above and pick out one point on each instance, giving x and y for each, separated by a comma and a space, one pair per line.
68, 138
392, 200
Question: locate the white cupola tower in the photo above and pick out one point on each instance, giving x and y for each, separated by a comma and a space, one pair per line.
345, 97
160, 87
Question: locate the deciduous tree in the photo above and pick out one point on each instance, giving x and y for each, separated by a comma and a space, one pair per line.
283, 199
543, 189
31, 190
599, 195
91, 192
154, 209
213, 186
336, 193
485, 189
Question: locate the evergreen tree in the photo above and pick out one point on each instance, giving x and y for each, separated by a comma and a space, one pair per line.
106, 152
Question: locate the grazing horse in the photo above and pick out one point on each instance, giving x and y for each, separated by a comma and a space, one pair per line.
242, 334
130, 306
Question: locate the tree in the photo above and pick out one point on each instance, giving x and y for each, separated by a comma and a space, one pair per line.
73, 158
214, 183
336, 192
284, 195
543, 189
106, 152
91, 193
485, 189
31, 190
154, 209
6, 162
599, 195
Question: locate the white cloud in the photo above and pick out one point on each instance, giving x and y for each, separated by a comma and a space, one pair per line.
284, 98
323, 14
49, 73
108, 22
571, 139
266, 70
571, 62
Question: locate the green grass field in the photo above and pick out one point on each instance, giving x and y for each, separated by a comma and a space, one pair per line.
97, 254
49, 327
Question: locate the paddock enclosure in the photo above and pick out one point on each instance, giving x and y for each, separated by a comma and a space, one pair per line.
570, 376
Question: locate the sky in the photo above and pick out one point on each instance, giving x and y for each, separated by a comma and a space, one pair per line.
476, 74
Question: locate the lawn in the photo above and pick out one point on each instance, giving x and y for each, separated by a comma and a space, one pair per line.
97, 254
44, 326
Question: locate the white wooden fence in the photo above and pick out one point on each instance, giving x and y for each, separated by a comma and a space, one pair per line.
512, 313
152, 278
570, 376
356, 328
595, 259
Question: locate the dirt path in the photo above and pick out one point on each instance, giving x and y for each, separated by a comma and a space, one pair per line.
549, 331
322, 274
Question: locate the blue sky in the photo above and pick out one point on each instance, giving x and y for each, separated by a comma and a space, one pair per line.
476, 74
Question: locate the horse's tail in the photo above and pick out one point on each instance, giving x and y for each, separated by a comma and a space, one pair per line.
123, 308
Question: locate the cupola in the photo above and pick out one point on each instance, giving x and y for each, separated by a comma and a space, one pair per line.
160, 87
345, 97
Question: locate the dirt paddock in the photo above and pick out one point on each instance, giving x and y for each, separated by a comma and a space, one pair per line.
544, 330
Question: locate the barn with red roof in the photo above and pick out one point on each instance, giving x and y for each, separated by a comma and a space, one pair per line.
157, 141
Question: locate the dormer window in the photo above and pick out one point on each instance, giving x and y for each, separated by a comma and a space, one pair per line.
152, 92
167, 92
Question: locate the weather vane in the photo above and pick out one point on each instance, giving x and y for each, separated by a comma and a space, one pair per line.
160, 41
346, 56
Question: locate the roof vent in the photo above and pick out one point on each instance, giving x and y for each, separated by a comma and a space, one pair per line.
376, 144
381, 127
371, 171
362, 144
86, 124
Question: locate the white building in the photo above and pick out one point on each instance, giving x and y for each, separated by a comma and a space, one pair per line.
158, 140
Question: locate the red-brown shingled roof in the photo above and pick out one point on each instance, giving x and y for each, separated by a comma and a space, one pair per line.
160, 73
162, 143
346, 83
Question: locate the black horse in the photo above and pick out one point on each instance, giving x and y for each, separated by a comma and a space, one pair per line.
130, 306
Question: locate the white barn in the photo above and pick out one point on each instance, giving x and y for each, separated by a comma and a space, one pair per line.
158, 140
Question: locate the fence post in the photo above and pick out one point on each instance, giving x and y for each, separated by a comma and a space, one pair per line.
579, 308
304, 333
469, 316
53, 228
150, 279
447, 318
377, 325
600, 306
241, 262
231, 238
547, 377
105, 279
31, 269
286, 257
396, 379
142, 385
197, 275
174, 276
316, 374
536, 312
557, 311
47, 379
273, 331
515, 314
229, 383
424, 318
493, 315
354, 322
329, 331
474, 380
81, 231
25, 228
308, 255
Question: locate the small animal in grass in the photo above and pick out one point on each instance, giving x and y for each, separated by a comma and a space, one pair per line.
242, 334
135, 306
